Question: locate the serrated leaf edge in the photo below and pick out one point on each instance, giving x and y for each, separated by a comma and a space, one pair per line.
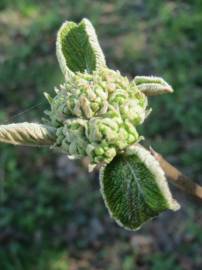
90, 30
92, 36
60, 56
153, 165
101, 175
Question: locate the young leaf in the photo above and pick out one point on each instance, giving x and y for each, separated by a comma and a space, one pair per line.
134, 188
78, 49
152, 86
31, 134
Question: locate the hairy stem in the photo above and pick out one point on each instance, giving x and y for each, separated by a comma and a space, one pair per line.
177, 177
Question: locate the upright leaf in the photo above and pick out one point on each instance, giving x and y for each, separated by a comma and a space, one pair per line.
78, 49
135, 189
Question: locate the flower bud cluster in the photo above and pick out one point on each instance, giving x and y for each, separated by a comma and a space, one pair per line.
96, 115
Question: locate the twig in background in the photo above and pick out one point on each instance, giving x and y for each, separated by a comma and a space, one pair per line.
177, 177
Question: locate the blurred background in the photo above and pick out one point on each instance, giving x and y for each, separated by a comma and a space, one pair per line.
51, 212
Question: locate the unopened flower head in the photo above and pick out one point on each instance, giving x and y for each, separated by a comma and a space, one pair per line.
96, 115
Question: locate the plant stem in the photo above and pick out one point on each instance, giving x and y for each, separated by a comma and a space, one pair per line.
177, 177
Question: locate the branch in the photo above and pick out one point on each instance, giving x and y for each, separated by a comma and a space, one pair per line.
177, 177
30, 134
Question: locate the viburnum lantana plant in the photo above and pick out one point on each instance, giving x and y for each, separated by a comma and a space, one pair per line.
95, 113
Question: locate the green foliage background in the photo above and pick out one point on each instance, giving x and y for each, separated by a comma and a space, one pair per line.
51, 212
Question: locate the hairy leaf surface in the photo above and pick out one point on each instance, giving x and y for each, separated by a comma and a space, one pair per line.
78, 49
135, 189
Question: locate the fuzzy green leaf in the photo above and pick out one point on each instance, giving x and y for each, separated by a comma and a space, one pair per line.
78, 49
135, 189
152, 86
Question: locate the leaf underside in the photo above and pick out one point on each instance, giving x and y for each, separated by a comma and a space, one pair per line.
78, 49
132, 193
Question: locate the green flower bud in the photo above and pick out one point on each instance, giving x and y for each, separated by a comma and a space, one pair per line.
96, 115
